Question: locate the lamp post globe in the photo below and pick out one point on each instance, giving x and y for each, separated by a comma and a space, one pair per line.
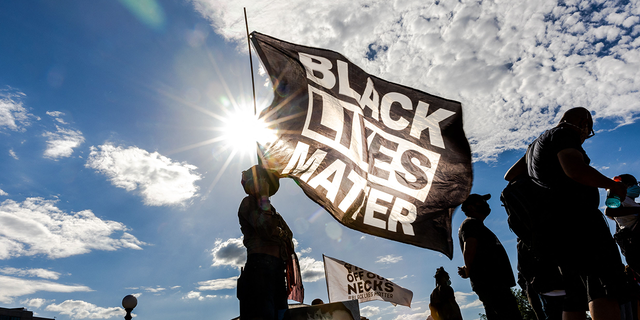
128, 303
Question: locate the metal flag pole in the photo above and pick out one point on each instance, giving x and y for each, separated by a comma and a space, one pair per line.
253, 85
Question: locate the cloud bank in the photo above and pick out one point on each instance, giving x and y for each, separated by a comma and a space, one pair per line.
159, 180
516, 66
78, 309
37, 227
40, 273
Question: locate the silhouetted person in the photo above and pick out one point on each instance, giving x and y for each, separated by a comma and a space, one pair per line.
626, 216
579, 237
262, 289
486, 262
442, 302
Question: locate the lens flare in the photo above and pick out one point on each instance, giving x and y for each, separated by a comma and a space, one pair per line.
243, 129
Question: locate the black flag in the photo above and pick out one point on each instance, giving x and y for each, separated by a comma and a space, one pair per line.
382, 158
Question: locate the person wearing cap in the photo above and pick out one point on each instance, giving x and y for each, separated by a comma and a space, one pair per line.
626, 216
262, 288
579, 240
486, 262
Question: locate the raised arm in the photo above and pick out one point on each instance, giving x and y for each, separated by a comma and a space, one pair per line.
575, 168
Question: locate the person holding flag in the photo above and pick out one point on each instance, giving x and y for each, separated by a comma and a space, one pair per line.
262, 289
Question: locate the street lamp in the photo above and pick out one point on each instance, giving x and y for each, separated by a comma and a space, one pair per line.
128, 303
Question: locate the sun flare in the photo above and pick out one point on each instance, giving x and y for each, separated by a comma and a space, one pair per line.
242, 130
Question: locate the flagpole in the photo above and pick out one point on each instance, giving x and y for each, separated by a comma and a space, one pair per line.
253, 85
326, 279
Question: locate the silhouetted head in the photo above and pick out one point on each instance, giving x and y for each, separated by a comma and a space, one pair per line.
442, 277
580, 119
260, 181
628, 179
317, 301
476, 206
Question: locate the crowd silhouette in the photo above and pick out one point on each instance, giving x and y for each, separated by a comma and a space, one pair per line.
568, 261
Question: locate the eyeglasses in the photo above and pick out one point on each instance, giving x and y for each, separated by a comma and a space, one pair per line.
591, 134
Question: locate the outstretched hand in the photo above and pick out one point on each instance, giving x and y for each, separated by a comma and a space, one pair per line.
620, 189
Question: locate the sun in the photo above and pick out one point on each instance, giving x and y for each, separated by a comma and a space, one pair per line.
241, 130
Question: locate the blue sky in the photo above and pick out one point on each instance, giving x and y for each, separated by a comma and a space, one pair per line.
116, 177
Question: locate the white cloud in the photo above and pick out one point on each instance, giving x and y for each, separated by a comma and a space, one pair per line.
154, 290
218, 284
369, 311
78, 309
413, 316
15, 287
198, 296
13, 154
389, 259
232, 252
229, 253
13, 114
37, 227
515, 66
40, 273
467, 300
2, 193
159, 180
60, 144
311, 269
57, 115
35, 303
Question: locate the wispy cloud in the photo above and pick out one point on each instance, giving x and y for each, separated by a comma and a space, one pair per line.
2, 193
389, 259
159, 180
60, 144
13, 115
57, 116
36, 226
218, 284
40, 273
13, 154
198, 296
15, 287
467, 300
78, 309
516, 66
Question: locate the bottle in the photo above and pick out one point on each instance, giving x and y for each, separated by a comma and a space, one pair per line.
613, 201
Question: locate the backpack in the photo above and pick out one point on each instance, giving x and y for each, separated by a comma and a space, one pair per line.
522, 200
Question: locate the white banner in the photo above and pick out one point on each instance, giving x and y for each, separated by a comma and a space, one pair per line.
348, 282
